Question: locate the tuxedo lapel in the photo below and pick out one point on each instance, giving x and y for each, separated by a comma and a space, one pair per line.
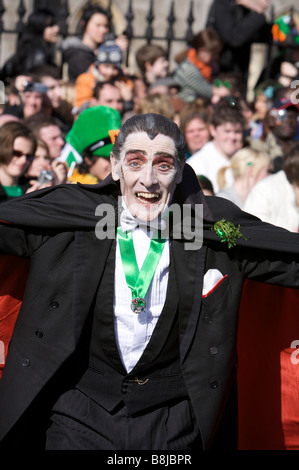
89, 263
190, 267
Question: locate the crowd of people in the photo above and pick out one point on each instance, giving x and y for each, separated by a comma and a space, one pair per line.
57, 131
205, 93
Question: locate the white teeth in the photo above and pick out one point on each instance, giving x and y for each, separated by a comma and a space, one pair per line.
148, 195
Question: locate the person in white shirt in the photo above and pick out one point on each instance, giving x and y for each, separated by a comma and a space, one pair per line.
227, 131
249, 167
276, 198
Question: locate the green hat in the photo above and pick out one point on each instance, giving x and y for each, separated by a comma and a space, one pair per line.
93, 133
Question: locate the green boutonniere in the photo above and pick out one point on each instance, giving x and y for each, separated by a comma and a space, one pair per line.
227, 232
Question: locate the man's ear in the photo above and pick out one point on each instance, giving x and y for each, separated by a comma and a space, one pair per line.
114, 167
148, 66
179, 175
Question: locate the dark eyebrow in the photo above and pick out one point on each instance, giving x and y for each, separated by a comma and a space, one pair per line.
164, 154
157, 154
135, 151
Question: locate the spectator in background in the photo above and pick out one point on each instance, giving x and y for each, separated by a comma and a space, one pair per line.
231, 86
36, 45
108, 94
107, 67
105, 94
80, 53
279, 131
248, 167
18, 145
227, 131
276, 198
89, 143
54, 172
41, 161
16, 88
33, 99
233, 83
263, 102
239, 23
46, 128
194, 73
152, 62
50, 76
195, 126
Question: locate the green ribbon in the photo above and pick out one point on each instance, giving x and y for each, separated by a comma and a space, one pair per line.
139, 281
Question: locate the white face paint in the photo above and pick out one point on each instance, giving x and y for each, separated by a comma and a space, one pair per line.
148, 173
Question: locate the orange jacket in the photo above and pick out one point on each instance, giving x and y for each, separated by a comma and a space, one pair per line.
84, 86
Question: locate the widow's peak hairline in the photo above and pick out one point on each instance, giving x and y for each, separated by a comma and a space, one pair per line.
153, 124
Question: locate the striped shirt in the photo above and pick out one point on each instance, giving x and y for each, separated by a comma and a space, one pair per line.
193, 84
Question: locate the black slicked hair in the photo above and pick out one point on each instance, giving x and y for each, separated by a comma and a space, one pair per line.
152, 124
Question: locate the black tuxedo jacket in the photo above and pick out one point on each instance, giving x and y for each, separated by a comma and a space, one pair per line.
55, 228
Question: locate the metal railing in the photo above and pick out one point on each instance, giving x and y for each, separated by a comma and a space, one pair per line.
149, 35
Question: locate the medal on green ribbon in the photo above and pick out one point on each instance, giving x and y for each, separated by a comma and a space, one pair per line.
139, 281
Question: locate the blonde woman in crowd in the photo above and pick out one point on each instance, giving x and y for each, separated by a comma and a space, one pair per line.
248, 167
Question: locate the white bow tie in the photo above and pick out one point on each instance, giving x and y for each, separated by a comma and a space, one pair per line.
129, 222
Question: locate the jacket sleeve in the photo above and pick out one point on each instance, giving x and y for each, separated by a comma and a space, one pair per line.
271, 268
18, 242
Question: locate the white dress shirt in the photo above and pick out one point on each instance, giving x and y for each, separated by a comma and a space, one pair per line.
208, 161
133, 331
273, 200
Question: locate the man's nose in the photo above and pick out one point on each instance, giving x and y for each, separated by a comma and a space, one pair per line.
149, 176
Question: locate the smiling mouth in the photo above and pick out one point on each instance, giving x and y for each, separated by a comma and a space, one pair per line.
148, 198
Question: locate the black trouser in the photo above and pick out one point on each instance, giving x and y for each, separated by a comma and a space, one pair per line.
79, 423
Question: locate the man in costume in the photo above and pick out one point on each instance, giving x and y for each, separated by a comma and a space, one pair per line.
128, 342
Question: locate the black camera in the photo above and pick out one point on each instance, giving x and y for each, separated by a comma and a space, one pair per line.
35, 86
